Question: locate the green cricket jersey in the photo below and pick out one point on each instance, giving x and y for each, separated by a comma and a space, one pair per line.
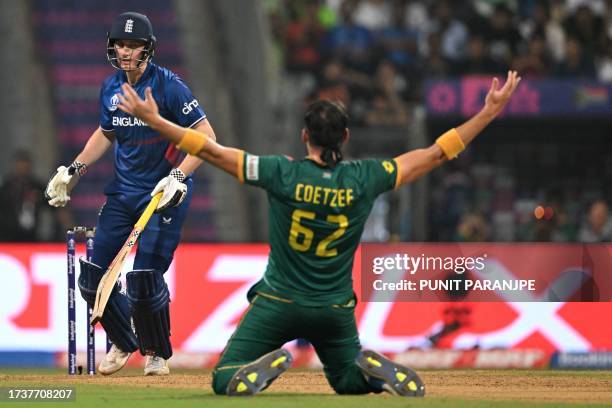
316, 217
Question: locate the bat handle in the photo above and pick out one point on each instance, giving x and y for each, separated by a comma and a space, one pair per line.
148, 212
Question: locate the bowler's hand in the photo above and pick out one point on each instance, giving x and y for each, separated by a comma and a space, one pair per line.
497, 99
129, 102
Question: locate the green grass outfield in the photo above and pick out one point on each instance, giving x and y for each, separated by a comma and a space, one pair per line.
445, 388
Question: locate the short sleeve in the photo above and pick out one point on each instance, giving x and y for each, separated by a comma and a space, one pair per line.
182, 104
261, 171
106, 115
378, 175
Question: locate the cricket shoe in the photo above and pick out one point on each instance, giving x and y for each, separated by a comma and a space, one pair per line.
113, 361
258, 375
156, 366
395, 378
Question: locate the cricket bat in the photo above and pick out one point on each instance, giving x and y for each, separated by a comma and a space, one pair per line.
109, 279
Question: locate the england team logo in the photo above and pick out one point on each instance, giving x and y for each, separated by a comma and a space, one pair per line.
114, 101
129, 26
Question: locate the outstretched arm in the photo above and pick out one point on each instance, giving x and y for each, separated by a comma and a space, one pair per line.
189, 140
419, 162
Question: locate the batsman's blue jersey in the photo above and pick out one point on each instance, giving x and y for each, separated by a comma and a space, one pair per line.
142, 156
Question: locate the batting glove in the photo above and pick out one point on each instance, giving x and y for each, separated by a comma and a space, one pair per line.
174, 190
62, 182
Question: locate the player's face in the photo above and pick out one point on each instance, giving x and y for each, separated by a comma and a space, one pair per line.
128, 53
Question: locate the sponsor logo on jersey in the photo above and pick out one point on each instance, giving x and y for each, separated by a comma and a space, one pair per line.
129, 26
127, 122
252, 168
114, 101
189, 107
166, 220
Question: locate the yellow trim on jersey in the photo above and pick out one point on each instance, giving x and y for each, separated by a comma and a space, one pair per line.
398, 175
451, 143
240, 169
350, 303
192, 142
267, 295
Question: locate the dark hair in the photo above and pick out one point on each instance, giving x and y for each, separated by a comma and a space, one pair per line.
326, 122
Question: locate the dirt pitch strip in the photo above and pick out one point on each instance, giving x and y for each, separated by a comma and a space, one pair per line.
444, 387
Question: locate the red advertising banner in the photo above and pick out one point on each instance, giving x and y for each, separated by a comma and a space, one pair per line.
208, 285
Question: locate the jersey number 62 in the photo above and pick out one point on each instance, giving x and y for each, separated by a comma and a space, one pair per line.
298, 229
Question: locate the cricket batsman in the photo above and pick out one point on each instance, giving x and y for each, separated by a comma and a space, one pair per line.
318, 208
145, 164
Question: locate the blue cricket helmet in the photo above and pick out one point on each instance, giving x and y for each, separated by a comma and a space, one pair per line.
131, 26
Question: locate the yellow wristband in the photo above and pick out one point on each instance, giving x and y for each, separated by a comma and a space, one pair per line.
451, 143
192, 142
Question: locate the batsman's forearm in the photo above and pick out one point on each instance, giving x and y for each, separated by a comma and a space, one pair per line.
190, 164
95, 147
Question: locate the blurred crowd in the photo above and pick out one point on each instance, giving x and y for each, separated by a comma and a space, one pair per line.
25, 216
480, 202
373, 54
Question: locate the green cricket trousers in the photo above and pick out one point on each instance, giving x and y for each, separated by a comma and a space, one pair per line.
270, 322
